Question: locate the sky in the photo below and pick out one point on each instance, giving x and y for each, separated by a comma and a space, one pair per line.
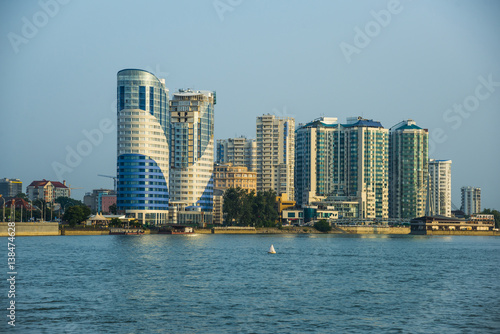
436, 62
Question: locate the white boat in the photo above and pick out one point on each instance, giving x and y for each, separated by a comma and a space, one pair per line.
271, 250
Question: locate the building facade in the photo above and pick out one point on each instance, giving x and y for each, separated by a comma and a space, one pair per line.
408, 170
47, 191
228, 176
143, 146
471, 200
10, 187
314, 153
238, 151
440, 187
276, 154
95, 200
192, 148
344, 163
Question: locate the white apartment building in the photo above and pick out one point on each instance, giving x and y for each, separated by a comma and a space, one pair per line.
192, 149
440, 187
238, 151
471, 200
276, 154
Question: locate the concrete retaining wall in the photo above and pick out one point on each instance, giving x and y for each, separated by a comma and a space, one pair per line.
375, 229
82, 232
437, 232
30, 229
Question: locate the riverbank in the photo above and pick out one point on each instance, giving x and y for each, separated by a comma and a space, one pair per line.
29, 229
52, 229
309, 230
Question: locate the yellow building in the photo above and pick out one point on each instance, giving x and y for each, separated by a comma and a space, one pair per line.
228, 176
283, 203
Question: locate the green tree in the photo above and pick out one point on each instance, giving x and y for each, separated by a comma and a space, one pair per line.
247, 208
76, 214
230, 207
494, 213
115, 222
67, 201
23, 196
113, 209
322, 226
135, 223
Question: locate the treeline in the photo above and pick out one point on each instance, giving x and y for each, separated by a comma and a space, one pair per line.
244, 208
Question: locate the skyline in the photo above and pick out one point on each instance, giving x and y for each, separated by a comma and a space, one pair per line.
427, 59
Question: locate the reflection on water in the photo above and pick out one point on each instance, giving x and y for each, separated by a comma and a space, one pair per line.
229, 284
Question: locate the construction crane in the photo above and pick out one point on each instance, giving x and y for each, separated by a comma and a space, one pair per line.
111, 177
70, 188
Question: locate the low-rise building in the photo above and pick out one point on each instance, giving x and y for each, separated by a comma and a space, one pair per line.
283, 203
47, 190
228, 176
99, 200
289, 217
427, 224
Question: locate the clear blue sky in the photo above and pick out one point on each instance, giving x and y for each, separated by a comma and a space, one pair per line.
299, 58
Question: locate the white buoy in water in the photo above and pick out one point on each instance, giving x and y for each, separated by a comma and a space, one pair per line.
271, 250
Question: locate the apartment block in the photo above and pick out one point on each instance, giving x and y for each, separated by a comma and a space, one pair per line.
276, 154
408, 170
238, 151
471, 200
440, 187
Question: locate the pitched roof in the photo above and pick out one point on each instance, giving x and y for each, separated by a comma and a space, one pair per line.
42, 183
409, 127
369, 123
38, 183
58, 184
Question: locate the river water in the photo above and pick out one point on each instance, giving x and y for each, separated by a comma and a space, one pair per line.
229, 284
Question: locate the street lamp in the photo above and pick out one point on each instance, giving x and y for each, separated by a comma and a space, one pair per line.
3, 206
31, 211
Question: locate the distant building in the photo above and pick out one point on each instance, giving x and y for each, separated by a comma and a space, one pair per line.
107, 201
276, 154
440, 187
344, 163
438, 224
283, 203
192, 148
99, 200
408, 170
10, 187
471, 200
314, 154
238, 151
228, 176
47, 191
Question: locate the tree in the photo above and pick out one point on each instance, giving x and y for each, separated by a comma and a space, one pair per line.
247, 208
494, 213
67, 201
115, 222
76, 214
113, 209
322, 226
135, 223
231, 202
23, 196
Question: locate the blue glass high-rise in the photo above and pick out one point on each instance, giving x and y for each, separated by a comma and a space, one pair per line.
143, 146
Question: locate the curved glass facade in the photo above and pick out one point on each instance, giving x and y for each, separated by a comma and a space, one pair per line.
192, 148
143, 145
142, 184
